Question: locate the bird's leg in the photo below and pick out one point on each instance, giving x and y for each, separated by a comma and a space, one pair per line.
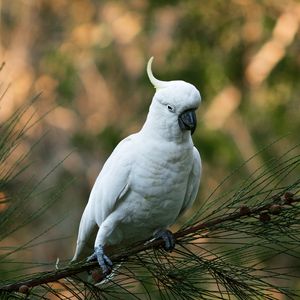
168, 237
104, 262
105, 230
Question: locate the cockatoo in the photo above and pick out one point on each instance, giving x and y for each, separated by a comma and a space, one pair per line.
149, 180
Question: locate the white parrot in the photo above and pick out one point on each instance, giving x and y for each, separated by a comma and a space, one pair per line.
149, 180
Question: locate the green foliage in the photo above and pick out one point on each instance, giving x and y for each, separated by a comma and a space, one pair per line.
242, 244
61, 68
25, 203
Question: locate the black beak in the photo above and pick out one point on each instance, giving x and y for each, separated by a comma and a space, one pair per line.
187, 120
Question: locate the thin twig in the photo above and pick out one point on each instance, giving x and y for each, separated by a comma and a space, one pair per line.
53, 276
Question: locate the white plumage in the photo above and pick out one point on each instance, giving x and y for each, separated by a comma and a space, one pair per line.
151, 177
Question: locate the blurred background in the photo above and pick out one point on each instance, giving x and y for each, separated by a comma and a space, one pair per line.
87, 59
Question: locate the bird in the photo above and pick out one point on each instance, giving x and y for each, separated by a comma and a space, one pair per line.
150, 179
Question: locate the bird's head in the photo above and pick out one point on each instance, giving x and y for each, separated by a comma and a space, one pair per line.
176, 101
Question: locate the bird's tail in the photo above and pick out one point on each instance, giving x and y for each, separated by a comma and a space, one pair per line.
87, 232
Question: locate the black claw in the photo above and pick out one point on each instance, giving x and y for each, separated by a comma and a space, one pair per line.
167, 237
104, 262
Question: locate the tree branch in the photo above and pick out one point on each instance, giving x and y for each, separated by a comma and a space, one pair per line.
277, 204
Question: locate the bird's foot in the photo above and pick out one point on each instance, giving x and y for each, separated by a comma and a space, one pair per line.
104, 262
168, 237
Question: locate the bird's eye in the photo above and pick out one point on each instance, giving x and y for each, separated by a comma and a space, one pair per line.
171, 108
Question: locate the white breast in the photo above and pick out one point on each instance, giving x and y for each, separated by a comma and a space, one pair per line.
158, 185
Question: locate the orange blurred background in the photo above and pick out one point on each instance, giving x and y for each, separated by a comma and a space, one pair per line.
88, 58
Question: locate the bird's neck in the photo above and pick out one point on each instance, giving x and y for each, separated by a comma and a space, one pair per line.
158, 128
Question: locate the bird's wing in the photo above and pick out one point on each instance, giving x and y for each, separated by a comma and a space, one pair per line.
193, 182
113, 180
110, 186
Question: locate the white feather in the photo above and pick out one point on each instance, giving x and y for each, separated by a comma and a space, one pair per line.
148, 181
